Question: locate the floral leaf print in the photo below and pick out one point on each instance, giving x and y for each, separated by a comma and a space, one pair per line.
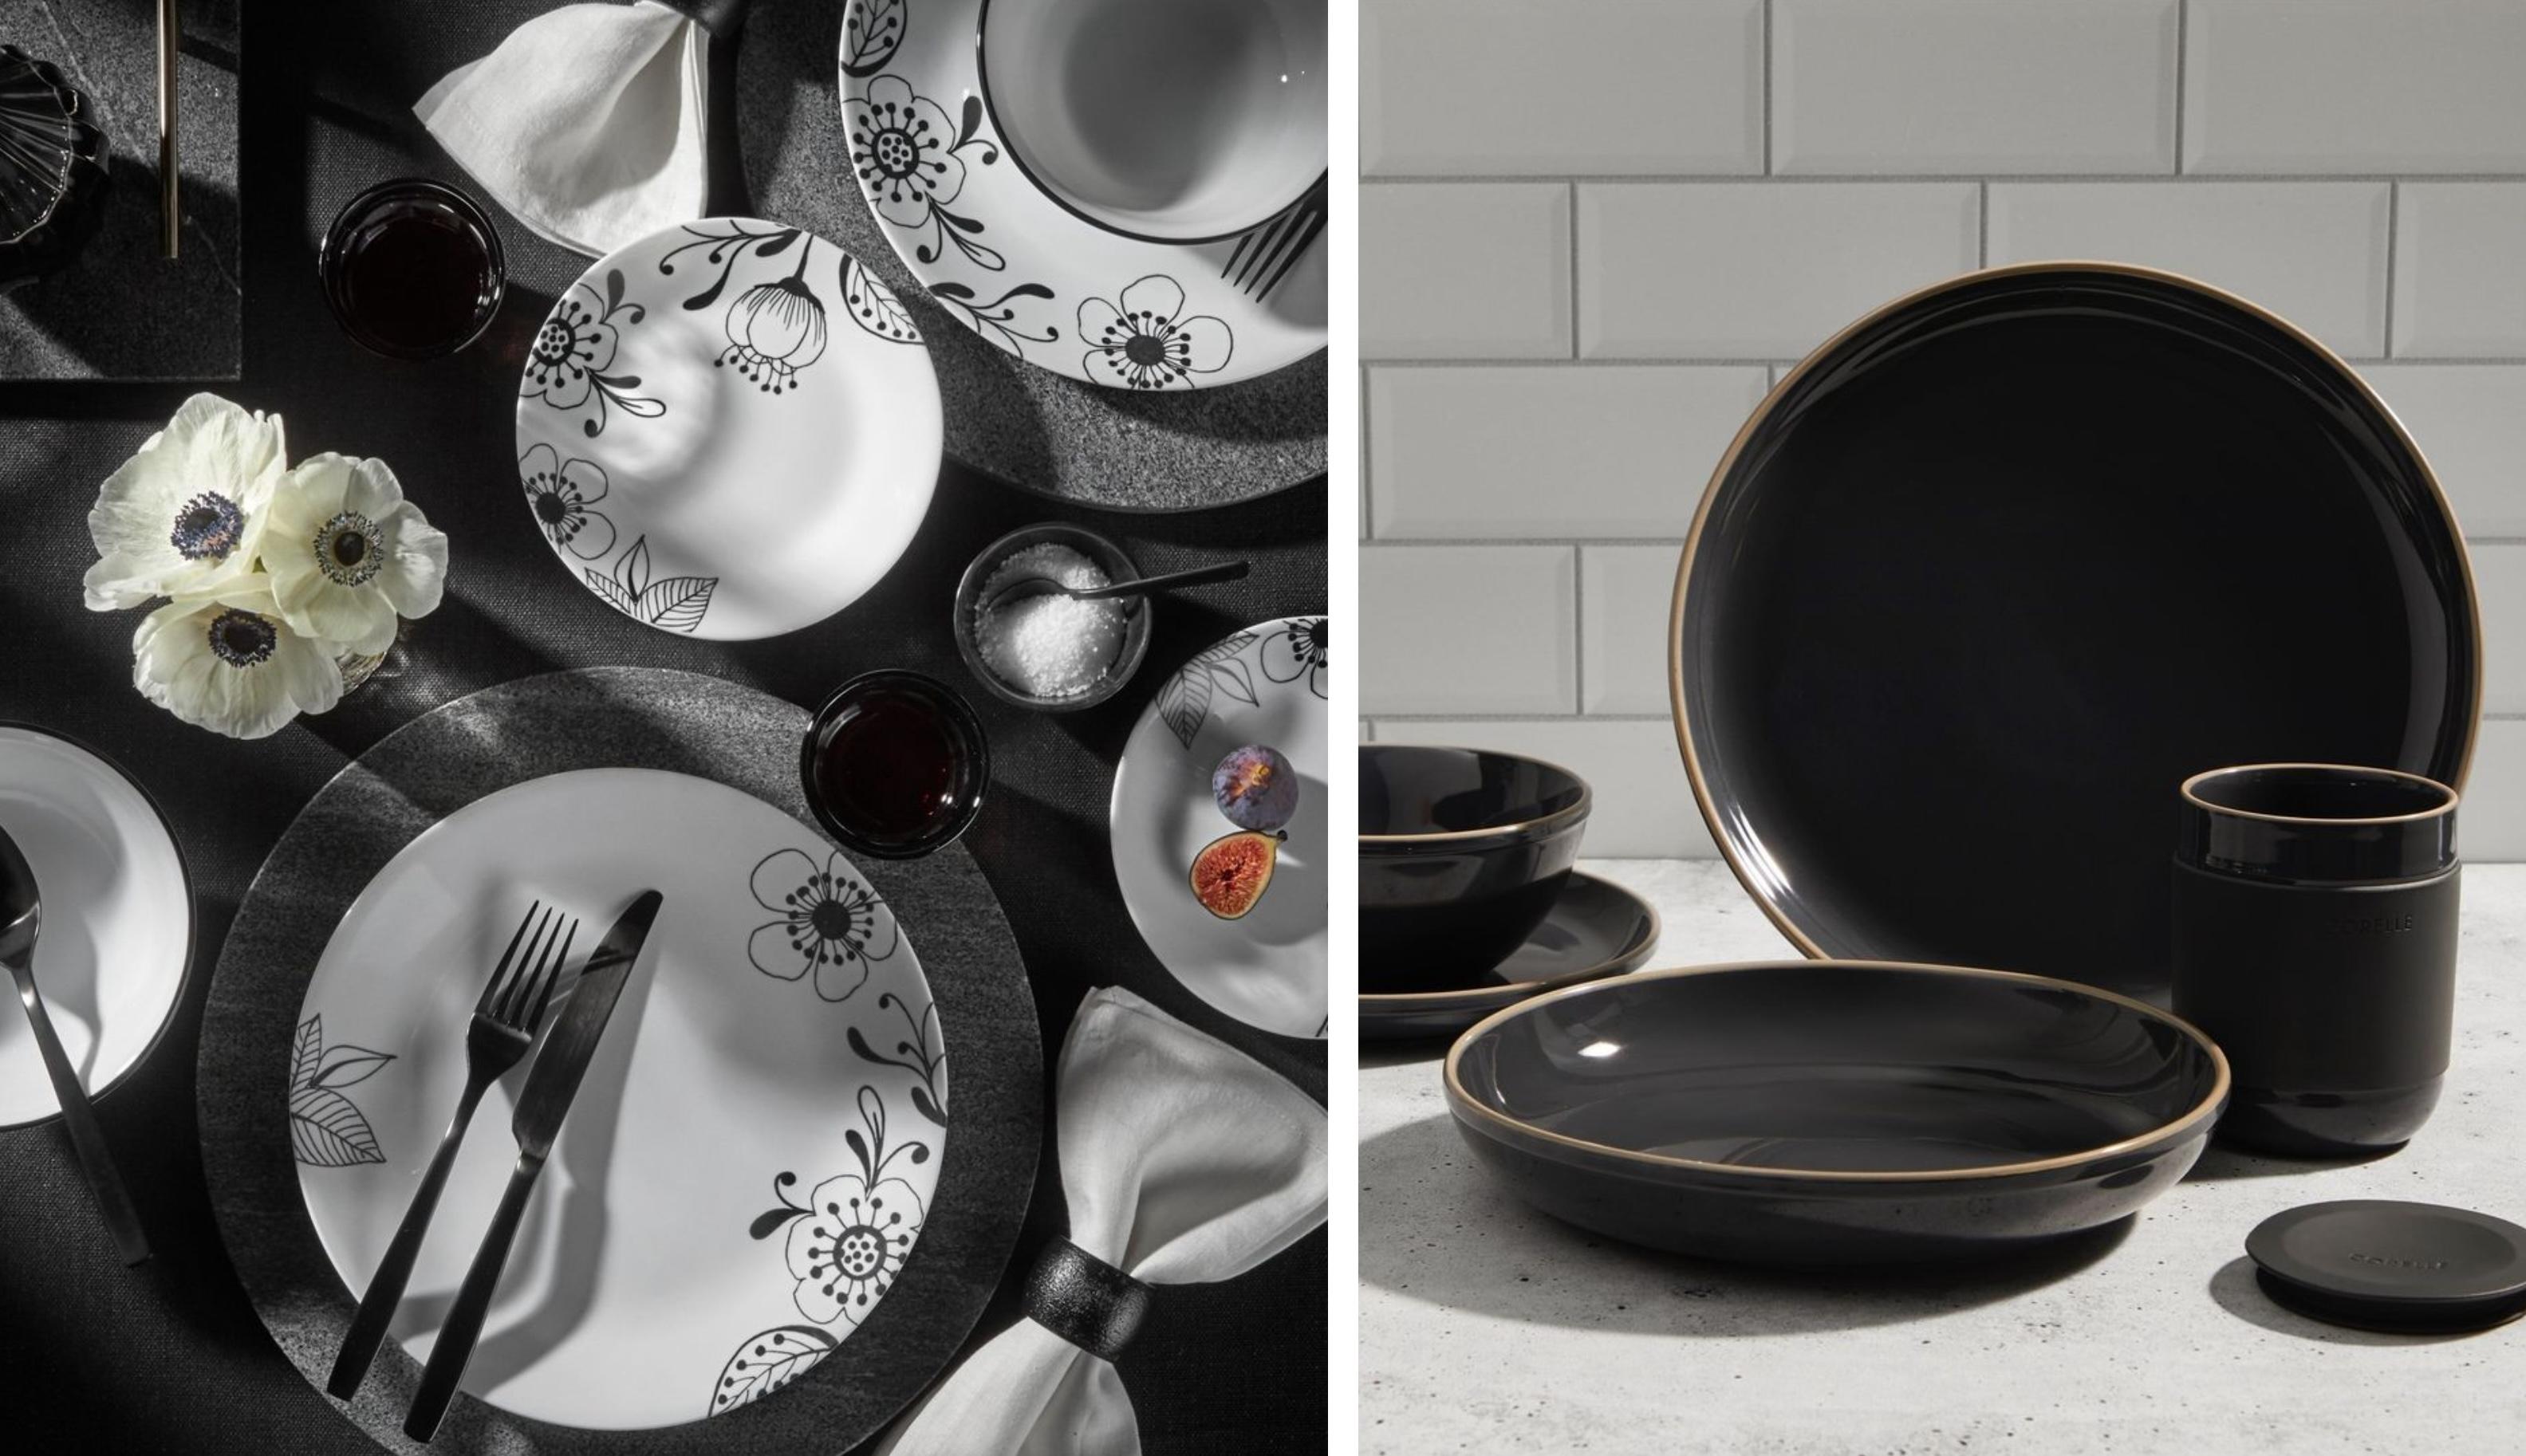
676, 604
776, 329
910, 161
722, 250
1184, 703
847, 1249
1147, 343
913, 1053
1297, 650
999, 315
874, 306
563, 495
870, 31
325, 1129
769, 1221
767, 1362
830, 924
569, 363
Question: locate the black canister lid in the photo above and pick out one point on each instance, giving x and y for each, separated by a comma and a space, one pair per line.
2317, 823
2380, 1264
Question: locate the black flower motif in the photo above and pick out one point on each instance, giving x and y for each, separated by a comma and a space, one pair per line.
1147, 343
1298, 649
563, 495
909, 157
830, 924
776, 329
569, 362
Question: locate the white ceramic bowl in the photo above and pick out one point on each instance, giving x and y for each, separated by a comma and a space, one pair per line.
1172, 121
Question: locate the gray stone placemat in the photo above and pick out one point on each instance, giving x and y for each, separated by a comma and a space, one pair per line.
1124, 449
601, 718
119, 311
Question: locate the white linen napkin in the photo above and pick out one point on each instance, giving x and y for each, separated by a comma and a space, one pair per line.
1183, 1162
586, 123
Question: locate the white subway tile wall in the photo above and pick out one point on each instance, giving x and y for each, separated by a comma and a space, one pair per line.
1594, 231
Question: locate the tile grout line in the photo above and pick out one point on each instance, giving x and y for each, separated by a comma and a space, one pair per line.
1900, 179
1367, 502
1765, 361
2183, 21
1573, 269
1982, 225
1578, 628
1566, 718
2394, 224
1767, 87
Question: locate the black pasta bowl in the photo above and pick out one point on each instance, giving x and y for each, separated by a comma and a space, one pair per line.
1462, 853
1836, 1112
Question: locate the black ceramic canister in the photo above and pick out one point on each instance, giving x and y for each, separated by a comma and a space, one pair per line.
2315, 938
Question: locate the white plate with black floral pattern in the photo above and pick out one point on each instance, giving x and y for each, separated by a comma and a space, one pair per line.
1032, 163
753, 1152
1264, 685
728, 430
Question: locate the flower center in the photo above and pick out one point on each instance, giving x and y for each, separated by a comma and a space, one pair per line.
242, 639
897, 154
207, 528
550, 508
1311, 640
346, 549
553, 341
1145, 349
833, 920
859, 1251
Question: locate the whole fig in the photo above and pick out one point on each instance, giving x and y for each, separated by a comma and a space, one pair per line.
1255, 787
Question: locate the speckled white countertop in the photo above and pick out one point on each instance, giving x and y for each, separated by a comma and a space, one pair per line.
1485, 1327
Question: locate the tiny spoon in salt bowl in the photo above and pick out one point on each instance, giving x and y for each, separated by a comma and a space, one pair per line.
1033, 586
21, 916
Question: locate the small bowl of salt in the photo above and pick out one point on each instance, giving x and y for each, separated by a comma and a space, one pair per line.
1041, 648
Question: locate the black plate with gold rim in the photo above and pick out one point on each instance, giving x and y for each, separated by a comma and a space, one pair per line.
2003, 563
1595, 928
1835, 1112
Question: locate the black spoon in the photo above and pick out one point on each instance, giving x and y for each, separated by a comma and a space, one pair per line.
21, 916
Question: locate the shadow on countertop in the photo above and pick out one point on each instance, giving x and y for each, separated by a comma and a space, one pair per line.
1435, 1230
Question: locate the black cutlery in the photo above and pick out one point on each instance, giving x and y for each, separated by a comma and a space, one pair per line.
21, 916
496, 1039
550, 1085
1264, 254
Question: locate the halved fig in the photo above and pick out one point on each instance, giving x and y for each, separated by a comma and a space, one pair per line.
1231, 871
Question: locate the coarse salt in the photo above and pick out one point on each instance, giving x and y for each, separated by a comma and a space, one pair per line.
1050, 645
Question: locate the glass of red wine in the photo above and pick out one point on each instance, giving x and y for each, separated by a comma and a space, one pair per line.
895, 763
413, 269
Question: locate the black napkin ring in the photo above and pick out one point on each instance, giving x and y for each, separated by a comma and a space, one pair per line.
723, 19
1084, 1300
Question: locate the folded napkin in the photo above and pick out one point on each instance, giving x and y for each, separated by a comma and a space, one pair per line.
1183, 1162
586, 123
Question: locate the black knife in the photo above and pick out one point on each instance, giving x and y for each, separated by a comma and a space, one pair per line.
551, 1083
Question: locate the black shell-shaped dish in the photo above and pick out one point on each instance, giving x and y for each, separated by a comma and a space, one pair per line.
53, 176
1836, 1112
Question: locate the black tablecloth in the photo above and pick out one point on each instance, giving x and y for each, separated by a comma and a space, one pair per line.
169, 1356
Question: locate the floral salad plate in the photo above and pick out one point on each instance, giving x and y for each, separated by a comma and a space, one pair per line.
1263, 686
1125, 193
753, 1153
728, 430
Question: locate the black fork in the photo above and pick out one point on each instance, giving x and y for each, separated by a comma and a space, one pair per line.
1264, 254
502, 1029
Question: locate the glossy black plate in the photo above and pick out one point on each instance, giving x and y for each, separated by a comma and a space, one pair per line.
1832, 1112
1998, 568
1595, 928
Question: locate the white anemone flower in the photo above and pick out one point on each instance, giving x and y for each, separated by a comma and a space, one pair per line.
348, 554
181, 517
229, 663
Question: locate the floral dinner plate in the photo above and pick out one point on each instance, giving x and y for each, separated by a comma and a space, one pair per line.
1264, 685
728, 430
755, 1148
937, 151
